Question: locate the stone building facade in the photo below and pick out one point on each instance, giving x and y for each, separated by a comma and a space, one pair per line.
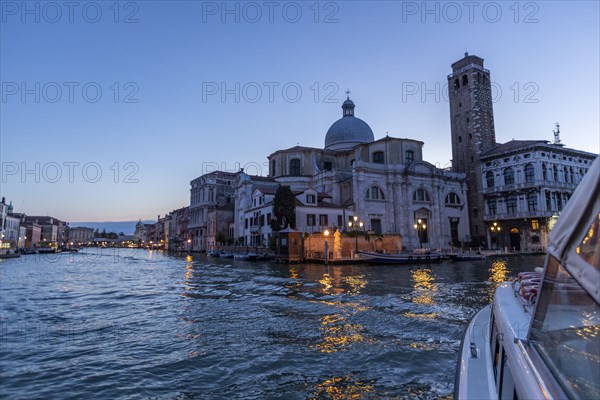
212, 199
526, 184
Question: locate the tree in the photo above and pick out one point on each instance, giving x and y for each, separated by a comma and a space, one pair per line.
284, 208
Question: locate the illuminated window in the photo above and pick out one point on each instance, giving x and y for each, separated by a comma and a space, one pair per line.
535, 224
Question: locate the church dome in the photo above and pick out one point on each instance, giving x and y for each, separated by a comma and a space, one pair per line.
348, 131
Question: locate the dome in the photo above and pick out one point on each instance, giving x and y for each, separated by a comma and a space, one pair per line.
348, 131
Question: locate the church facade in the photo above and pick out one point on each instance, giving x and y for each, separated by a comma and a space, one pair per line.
385, 183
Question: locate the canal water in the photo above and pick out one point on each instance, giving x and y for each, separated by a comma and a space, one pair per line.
121, 323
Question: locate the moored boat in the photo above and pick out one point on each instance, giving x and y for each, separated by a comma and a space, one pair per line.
382, 258
540, 339
466, 257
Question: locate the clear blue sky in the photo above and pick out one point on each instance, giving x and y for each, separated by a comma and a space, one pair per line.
543, 57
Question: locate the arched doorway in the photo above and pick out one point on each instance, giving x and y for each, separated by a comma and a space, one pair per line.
515, 239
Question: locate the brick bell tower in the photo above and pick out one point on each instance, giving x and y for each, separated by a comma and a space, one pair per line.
472, 129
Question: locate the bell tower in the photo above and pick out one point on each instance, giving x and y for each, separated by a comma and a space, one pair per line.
472, 130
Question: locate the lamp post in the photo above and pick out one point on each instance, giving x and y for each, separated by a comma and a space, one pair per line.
355, 226
326, 247
420, 228
495, 228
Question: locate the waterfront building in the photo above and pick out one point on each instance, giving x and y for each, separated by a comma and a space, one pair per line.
3, 214
178, 230
138, 235
472, 131
526, 184
81, 235
386, 183
33, 234
211, 209
314, 213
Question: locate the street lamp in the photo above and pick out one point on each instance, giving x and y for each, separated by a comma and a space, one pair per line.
420, 228
495, 228
326, 247
355, 226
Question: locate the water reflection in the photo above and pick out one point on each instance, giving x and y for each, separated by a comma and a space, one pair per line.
423, 293
498, 273
338, 331
342, 388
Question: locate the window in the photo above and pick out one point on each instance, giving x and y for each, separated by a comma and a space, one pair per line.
511, 204
421, 195
509, 176
529, 173
378, 157
544, 172
588, 249
456, 83
452, 199
489, 178
555, 173
311, 220
376, 225
535, 225
273, 168
565, 175
323, 220
310, 199
327, 166
410, 156
562, 332
295, 167
532, 202
340, 221
465, 80
492, 206
374, 193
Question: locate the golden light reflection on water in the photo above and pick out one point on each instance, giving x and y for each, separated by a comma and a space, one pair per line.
189, 273
356, 283
339, 333
498, 274
424, 286
342, 388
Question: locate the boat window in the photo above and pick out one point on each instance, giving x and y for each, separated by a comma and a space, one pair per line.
496, 356
589, 248
565, 332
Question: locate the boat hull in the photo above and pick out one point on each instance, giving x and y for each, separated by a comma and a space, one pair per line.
399, 259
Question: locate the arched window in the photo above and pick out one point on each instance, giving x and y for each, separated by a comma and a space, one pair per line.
456, 83
452, 199
509, 176
378, 157
529, 173
478, 77
489, 178
211, 194
511, 204
565, 174
465, 80
572, 175
532, 202
374, 193
295, 167
421, 195
555, 173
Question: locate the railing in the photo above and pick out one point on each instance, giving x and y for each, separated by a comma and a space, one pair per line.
518, 214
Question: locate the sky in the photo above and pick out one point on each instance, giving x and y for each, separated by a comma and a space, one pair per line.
109, 109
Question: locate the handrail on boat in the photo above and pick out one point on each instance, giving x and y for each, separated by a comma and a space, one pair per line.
532, 368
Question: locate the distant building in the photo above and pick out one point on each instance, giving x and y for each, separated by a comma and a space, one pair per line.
138, 235
527, 183
211, 209
53, 230
80, 235
178, 230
